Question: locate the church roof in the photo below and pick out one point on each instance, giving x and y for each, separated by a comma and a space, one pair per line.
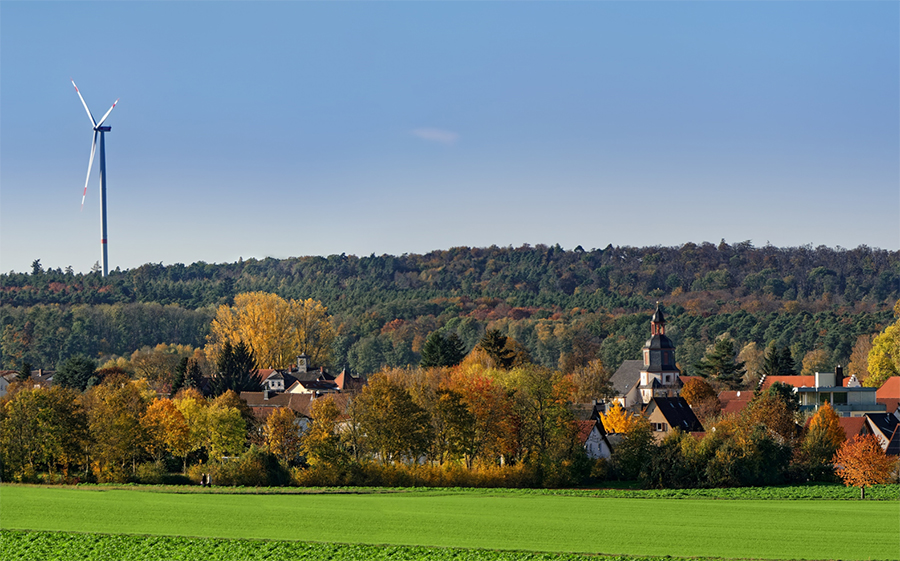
659, 342
627, 376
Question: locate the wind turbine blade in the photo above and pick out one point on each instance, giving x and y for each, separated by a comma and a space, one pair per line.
90, 163
91, 117
107, 113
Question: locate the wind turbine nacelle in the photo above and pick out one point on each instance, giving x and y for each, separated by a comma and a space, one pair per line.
106, 128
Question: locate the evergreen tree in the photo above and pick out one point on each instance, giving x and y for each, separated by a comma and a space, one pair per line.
236, 370
779, 362
75, 372
721, 365
24, 372
442, 351
494, 344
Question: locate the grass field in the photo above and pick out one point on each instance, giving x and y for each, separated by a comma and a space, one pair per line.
770, 529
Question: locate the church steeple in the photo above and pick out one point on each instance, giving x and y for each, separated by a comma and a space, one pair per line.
659, 376
658, 322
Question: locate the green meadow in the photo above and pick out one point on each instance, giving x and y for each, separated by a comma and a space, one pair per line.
697, 527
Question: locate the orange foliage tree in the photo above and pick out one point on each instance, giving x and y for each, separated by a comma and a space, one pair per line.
862, 463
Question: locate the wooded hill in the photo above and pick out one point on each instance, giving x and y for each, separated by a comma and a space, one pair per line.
565, 307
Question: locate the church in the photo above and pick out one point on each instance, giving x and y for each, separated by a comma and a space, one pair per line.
652, 385
636, 382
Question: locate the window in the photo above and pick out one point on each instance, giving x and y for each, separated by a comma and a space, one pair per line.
840, 398
659, 427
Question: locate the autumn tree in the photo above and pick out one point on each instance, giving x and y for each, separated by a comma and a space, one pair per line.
454, 426
702, 398
884, 358
114, 410
859, 357
753, 358
862, 463
282, 434
721, 366
816, 360
591, 381
618, 420
41, 428
321, 444
276, 330
166, 430
772, 411
496, 425
823, 439
158, 364
394, 426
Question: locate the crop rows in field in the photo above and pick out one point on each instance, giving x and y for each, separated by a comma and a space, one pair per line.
63, 546
788, 492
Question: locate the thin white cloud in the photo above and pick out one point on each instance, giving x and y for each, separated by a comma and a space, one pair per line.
436, 135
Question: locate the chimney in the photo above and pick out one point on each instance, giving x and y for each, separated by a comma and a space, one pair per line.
266, 394
838, 376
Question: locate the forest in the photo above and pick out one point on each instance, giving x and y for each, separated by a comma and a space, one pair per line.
565, 307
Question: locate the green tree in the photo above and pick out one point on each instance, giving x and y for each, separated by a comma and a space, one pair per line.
779, 362
494, 344
236, 370
75, 372
721, 366
442, 351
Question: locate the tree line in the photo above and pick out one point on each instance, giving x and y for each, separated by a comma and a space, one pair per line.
563, 306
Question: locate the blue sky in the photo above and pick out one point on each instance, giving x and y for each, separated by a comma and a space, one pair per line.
249, 129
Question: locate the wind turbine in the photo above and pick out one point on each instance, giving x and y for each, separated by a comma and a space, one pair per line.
100, 130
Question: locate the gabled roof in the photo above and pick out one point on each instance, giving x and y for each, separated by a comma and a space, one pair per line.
347, 382
735, 401
627, 376
794, 381
890, 389
677, 413
885, 423
853, 426
585, 428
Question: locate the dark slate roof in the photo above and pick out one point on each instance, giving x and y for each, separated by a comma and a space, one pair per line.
659, 342
627, 376
678, 413
885, 422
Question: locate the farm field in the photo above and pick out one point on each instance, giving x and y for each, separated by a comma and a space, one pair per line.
769, 529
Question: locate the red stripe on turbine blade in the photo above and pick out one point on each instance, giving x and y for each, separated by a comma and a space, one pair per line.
102, 241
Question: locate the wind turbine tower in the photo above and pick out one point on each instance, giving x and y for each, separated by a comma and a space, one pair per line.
100, 130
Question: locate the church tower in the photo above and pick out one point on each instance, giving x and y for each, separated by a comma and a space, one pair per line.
659, 375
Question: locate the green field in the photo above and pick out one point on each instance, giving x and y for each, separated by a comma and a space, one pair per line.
770, 529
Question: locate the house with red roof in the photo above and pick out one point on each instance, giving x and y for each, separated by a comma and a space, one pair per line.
592, 436
889, 394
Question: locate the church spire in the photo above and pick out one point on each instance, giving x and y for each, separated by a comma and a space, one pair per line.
658, 322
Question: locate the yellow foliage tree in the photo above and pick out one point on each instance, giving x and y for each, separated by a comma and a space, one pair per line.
283, 434
166, 430
884, 358
276, 329
618, 420
828, 422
